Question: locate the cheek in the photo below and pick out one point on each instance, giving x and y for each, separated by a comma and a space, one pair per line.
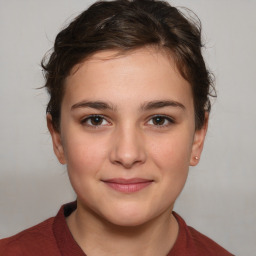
84, 160
84, 156
171, 157
172, 152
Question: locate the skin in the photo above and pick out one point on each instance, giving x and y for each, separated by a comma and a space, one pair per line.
145, 129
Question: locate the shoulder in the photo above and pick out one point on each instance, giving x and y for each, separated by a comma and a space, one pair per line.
191, 242
33, 241
206, 246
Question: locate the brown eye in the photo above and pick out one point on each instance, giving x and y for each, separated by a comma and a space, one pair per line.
95, 121
159, 120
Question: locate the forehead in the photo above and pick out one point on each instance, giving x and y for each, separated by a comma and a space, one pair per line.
154, 54
142, 74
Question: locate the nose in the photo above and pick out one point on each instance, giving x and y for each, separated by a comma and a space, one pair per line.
128, 148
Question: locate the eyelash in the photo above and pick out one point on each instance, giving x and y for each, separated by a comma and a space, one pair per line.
103, 118
85, 120
165, 118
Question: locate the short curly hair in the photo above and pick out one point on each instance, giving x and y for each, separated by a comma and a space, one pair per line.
126, 25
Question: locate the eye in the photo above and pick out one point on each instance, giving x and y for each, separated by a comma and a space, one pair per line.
160, 120
95, 121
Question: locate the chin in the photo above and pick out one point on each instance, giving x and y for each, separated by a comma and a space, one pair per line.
128, 221
128, 217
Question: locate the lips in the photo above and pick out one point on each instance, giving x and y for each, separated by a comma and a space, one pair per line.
128, 185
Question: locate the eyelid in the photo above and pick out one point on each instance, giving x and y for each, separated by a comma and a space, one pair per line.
85, 119
170, 120
167, 118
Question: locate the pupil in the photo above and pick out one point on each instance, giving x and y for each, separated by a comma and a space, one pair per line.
158, 120
96, 120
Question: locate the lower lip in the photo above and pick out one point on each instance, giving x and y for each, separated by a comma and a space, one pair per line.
128, 188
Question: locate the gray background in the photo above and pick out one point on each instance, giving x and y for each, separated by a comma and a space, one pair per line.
219, 197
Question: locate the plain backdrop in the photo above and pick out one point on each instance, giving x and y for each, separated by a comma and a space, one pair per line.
220, 195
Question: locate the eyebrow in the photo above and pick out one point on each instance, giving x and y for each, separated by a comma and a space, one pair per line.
100, 105
161, 104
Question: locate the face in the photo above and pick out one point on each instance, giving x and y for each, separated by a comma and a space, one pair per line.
127, 135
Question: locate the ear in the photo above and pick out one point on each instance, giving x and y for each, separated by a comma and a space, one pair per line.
198, 142
56, 140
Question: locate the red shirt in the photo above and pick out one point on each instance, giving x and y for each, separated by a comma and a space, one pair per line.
52, 237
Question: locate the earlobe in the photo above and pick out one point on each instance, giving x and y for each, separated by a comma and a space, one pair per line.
198, 142
56, 140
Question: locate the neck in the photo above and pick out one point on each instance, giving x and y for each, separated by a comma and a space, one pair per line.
97, 236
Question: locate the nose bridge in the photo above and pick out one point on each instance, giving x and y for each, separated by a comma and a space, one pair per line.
128, 147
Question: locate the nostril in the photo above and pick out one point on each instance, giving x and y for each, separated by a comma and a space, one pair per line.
128, 160
128, 163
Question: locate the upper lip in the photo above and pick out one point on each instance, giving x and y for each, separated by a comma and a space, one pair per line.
127, 181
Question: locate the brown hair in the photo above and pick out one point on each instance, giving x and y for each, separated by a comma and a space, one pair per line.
126, 25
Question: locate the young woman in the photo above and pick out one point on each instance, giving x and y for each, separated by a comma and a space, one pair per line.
128, 113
